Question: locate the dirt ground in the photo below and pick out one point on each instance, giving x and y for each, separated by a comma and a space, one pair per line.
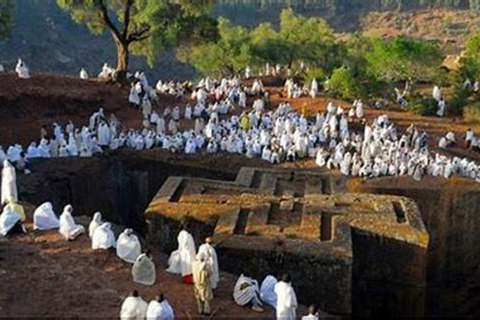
449, 28
42, 275
27, 104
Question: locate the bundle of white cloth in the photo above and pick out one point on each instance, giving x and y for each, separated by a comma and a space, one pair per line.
68, 228
143, 270
8, 219
128, 246
180, 261
103, 237
44, 218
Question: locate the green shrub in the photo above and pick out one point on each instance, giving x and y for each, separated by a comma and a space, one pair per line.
424, 106
342, 84
471, 113
314, 73
458, 101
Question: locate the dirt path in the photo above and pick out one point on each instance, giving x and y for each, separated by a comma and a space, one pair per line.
41, 275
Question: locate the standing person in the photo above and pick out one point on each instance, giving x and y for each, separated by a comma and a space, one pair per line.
286, 299
209, 251
441, 107
202, 285
180, 261
9, 183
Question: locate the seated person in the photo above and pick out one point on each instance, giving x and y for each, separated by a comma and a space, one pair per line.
312, 313
247, 292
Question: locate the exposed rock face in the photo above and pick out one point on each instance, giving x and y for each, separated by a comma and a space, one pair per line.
449, 210
119, 184
350, 253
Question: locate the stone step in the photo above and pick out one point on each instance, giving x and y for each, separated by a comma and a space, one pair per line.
245, 177
227, 223
170, 189
268, 183
258, 218
241, 223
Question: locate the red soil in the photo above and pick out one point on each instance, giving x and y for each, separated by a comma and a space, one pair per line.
42, 275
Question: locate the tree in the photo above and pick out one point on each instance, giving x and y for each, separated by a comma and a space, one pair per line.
6, 18
230, 54
470, 61
310, 40
299, 39
343, 84
144, 27
403, 59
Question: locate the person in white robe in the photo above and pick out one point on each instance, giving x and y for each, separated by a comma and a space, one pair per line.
180, 261
441, 107
442, 143
469, 135
312, 313
83, 74
8, 219
246, 291
68, 228
133, 308
267, 291
133, 97
44, 218
9, 183
314, 88
22, 70
359, 111
188, 112
172, 127
436, 93
286, 299
94, 224
143, 270
128, 246
160, 309
209, 251
248, 72
191, 146
201, 284
103, 237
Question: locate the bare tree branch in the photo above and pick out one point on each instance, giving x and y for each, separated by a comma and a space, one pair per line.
139, 35
108, 22
126, 18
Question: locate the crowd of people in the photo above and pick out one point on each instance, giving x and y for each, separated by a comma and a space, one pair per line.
199, 269
223, 121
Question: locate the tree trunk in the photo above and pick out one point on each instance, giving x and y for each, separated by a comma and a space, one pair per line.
122, 59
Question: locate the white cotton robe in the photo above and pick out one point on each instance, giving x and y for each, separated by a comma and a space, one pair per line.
68, 228
103, 237
160, 311
133, 308
143, 270
245, 290
44, 218
8, 219
212, 261
267, 291
180, 261
94, 224
9, 183
128, 246
286, 301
